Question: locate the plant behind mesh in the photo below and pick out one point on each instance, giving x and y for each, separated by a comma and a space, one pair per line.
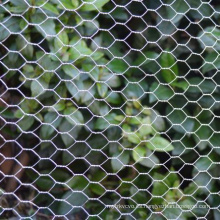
115, 103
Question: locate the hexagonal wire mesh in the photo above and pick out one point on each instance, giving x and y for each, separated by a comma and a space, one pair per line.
109, 109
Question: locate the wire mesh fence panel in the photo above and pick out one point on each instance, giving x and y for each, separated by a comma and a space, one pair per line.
109, 109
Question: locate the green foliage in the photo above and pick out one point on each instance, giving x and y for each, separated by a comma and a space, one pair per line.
170, 69
105, 99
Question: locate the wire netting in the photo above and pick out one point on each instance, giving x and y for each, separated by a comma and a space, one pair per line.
109, 109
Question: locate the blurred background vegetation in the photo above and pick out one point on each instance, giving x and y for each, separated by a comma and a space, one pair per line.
113, 102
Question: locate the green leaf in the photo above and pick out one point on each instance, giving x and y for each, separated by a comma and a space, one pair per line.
204, 10
9, 25
29, 105
19, 3
201, 179
198, 85
133, 138
157, 121
113, 81
202, 135
99, 108
44, 182
47, 130
114, 98
71, 199
46, 61
69, 132
160, 92
183, 123
159, 144
146, 127
78, 49
212, 62
135, 120
119, 118
61, 46
215, 142
50, 117
26, 49
207, 86
103, 123
95, 72
48, 6
209, 37
216, 214
102, 89
77, 182
150, 161
133, 91
170, 71
166, 27
38, 87
51, 8
120, 14
118, 65
97, 55
17, 9
26, 122
89, 92
47, 76
75, 3
47, 27
97, 189
147, 61
159, 189
144, 156
138, 152
180, 6
181, 84
60, 174
171, 179
5, 113
73, 90
60, 106
70, 70
172, 213
123, 158
202, 164
94, 5
73, 115
91, 28
69, 4
28, 70
169, 13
